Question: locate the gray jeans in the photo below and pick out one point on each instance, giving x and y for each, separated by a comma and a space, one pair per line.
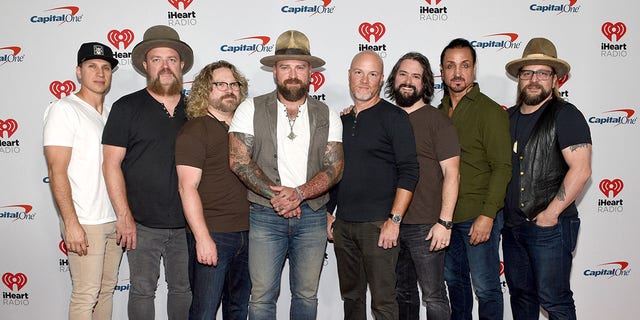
154, 245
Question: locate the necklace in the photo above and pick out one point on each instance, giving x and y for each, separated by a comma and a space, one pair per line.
292, 123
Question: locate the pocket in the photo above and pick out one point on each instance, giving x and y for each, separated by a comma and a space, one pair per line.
574, 229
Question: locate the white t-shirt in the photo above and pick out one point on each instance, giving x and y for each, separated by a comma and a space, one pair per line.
71, 122
292, 153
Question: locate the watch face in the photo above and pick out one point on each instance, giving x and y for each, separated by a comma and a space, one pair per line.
397, 219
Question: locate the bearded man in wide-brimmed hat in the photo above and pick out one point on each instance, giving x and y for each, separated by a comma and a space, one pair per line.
140, 172
287, 148
551, 164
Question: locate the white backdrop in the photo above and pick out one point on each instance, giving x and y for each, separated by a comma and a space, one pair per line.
38, 49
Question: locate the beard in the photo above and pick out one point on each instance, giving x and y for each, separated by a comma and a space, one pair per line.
293, 94
534, 99
154, 85
225, 104
406, 100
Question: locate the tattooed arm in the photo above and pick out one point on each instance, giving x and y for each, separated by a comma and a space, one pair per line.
578, 157
240, 150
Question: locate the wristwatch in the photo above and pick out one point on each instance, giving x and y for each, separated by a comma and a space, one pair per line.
395, 218
447, 224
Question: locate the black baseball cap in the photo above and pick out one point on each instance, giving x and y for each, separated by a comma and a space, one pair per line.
96, 50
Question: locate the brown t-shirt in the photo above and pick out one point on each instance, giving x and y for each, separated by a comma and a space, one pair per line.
436, 140
204, 143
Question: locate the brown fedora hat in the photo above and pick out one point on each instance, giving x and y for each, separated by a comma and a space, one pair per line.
539, 51
161, 36
292, 45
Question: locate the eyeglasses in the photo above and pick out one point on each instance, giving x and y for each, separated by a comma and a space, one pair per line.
222, 86
542, 75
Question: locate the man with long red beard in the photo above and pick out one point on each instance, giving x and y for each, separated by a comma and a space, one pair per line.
140, 173
287, 149
551, 158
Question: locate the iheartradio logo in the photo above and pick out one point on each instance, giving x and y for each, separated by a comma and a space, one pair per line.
610, 29
10, 280
501, 267
57, 88
377, 30
9, 126
63, 247
317, 80
611, 186
176, 3
436, 2
115, 37
562, 80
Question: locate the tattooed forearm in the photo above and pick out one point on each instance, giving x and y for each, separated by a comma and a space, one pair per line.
240, 149
562, 194
329, 174
578, 146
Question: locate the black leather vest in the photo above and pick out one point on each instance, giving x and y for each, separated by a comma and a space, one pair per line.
542, 166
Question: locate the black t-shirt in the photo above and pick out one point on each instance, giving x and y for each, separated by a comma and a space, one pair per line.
142, 125
379, 156
571, 129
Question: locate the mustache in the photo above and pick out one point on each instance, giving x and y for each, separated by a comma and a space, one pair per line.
293, 81
534, 86
457, 79
407, 86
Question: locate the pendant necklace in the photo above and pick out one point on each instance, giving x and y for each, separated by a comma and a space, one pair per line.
291, 135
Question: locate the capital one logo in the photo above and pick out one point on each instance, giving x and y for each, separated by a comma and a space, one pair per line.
377, 30
18, 280
8, 126
610, 29
63, 247
611, 186
436, 2
317, 80
116, 37
176, 3
57, 88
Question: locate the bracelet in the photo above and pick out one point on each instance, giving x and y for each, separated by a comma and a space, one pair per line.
300, 197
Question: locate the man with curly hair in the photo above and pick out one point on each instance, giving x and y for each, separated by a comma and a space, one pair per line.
214, 200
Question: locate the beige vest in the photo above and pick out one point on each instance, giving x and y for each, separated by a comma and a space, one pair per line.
265, 152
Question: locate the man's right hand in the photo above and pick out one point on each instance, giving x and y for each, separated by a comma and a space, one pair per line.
207, 252
126, 232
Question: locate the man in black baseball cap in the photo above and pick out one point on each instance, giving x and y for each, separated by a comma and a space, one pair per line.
73, 127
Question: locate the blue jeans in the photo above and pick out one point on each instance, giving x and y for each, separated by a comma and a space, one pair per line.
361, 262
272, 239
227, 282
537, 265
482, 261
416, 264
153, 245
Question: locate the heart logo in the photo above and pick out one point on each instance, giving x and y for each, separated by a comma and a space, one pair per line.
501, 267
63, 247
19, 279
376, 30
317, 80
436, 2
609, 29
116, 37
607, 186
176, 3
9, 126
562, 80
57, 88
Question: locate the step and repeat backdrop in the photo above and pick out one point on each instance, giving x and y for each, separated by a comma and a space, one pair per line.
599, 39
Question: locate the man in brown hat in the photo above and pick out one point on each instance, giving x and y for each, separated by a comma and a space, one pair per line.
287, 148
551, 164
71, 137
140, 172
